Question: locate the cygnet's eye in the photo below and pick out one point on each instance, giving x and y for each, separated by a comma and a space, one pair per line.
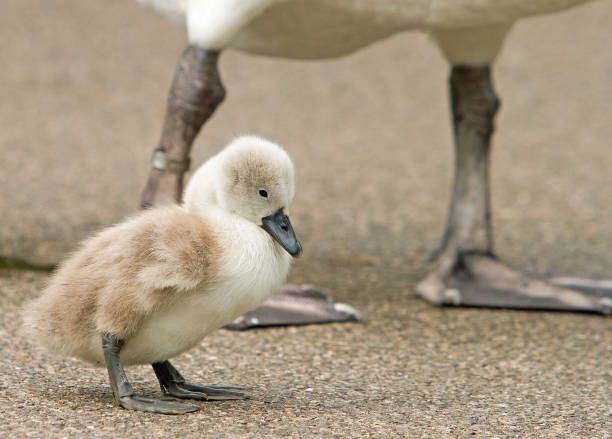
263, 193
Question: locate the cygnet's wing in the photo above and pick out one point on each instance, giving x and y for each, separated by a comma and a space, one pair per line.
119, 276
181, 252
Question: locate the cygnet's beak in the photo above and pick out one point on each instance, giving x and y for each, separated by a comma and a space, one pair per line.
279, 227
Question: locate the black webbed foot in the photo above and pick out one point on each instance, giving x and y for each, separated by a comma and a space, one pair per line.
173, 384
122, 389
156, 406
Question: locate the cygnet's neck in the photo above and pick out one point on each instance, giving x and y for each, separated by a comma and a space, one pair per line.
200, 193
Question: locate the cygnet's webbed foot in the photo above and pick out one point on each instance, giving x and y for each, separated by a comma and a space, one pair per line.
480, 280
122, 389
205, 393
296, 305
156, 406
173, 384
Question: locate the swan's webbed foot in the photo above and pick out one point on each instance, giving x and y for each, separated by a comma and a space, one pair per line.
122, 389
467, 273
173, 384
296, 305
480, 280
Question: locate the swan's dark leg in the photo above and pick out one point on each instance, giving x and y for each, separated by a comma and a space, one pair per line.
195, 94
122, 389
467, 273
172, 383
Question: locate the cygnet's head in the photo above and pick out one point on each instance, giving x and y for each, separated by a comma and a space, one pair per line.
255, 179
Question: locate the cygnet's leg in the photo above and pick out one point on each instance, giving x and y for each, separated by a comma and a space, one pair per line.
195, 93
172, 383
122, 389
467, 272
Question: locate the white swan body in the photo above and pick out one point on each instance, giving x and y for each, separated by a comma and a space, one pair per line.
331, 28
164, 279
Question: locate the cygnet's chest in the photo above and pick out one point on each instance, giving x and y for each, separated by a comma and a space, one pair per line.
252, 267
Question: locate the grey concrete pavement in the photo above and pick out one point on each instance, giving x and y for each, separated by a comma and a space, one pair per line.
83, 92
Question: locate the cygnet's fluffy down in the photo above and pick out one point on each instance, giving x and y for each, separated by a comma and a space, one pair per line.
160, 281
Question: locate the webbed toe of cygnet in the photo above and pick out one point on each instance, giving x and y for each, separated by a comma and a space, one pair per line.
140, 403
174, 384
206, 393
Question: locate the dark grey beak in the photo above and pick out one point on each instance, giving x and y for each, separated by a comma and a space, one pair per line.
279, 227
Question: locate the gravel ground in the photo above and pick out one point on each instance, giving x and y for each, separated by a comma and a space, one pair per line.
84, 85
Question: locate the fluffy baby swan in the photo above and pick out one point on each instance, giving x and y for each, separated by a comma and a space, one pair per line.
147, 289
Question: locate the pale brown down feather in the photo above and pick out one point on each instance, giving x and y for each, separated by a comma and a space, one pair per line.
120, 276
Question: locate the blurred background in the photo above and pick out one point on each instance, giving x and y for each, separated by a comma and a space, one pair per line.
83, 90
